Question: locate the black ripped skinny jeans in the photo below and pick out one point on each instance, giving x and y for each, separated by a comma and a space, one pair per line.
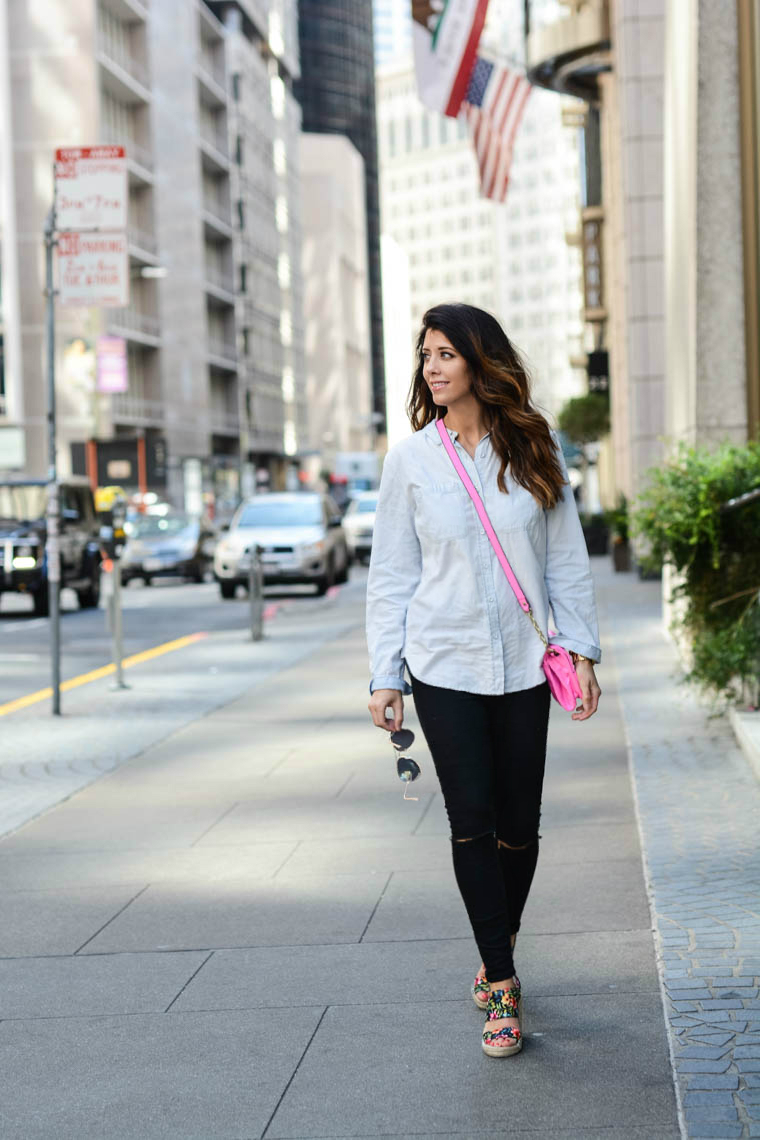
489, 754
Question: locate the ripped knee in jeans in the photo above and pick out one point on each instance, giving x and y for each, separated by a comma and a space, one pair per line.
518, 846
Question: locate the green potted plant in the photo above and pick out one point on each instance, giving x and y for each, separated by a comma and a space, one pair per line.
617, 521
584, 420
687, 518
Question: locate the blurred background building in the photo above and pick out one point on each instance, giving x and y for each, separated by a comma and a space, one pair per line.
670, 204
200, 94
336, 282
337, 94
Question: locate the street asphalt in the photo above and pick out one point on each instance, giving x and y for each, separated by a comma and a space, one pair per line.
242, 930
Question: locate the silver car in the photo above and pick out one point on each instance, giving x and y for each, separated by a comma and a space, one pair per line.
300, 536
359, 524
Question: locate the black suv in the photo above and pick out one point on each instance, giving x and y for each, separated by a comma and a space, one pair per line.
23, 533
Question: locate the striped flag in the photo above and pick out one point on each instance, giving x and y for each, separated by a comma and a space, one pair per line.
493, 107
445, 35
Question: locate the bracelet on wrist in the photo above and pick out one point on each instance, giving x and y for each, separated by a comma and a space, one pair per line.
580, 657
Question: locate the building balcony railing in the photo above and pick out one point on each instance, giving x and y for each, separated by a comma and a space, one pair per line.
215, 138
118, 53
218, 346
130, 319
213, 69
136, 152
224, 423
221, 278
144, 239
218, 209
137, 410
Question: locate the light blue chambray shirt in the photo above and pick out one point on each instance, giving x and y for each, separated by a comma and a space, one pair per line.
438, 599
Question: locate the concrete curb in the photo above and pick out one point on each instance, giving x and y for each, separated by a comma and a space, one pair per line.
746, 726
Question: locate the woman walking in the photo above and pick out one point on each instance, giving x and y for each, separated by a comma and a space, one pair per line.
442, 607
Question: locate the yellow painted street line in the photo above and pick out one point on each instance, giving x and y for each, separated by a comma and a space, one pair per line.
97, 674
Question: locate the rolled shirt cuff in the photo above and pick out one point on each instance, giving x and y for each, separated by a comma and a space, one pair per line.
593, 652
390, 683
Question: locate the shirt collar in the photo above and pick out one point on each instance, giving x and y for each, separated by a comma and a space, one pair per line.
432, 433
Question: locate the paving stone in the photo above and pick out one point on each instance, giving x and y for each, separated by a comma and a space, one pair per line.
192, 1076
747, 1051
684, 994
752, 1081
365, 1101
721, 1131
706, 1098
181, 916
715, 1039
686, 984
703, 1066
749, 1096
711, 972
714, 1081
748, 1066
722, 1003
684, 1006
82, 985
700, 1052
711, 1115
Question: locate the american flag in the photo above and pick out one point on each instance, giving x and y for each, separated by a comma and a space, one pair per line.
493, 107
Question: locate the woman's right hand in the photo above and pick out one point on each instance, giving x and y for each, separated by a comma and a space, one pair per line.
380, 700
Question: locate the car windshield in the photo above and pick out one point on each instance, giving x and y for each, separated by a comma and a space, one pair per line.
366, 506
272, 513
162, 526
18, 502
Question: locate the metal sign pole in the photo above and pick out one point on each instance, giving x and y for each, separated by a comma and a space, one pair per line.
52, 547
255, 591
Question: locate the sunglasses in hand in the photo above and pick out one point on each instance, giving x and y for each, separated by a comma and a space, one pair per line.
408, 769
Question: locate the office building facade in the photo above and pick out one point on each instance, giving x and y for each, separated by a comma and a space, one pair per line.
157, 79
337, 95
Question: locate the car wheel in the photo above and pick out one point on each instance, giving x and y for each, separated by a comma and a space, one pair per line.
327, 579
147, 580
41, 601
89, 597
227, 590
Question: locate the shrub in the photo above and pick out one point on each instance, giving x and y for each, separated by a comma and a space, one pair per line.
717, 554
584, 419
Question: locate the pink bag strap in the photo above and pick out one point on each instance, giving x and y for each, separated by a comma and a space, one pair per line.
487, 526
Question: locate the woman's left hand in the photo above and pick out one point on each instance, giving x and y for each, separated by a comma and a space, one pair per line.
589, 688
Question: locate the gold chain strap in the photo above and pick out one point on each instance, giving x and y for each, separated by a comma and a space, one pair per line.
538, 629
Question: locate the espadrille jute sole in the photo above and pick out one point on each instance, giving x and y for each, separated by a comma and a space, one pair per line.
507, 1050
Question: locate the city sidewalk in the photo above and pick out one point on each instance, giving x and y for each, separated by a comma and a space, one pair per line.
245, 931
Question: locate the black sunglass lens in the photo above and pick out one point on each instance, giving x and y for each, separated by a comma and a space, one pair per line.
407, 768
402, 739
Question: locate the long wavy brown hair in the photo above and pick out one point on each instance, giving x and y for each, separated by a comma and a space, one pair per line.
519, 433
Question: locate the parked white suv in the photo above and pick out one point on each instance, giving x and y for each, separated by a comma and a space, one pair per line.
359, 524
300, 536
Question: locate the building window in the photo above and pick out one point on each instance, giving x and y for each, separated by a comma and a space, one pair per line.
246, 348
408, 133
241, 213
236, 86
239, 150
392, 138
243, 278
280, 157
426, 130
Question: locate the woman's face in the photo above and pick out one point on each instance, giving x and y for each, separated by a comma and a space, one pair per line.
444, 370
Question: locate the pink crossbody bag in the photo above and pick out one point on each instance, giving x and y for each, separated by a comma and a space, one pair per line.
557, 662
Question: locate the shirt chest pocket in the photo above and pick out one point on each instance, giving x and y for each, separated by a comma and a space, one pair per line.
440, 511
